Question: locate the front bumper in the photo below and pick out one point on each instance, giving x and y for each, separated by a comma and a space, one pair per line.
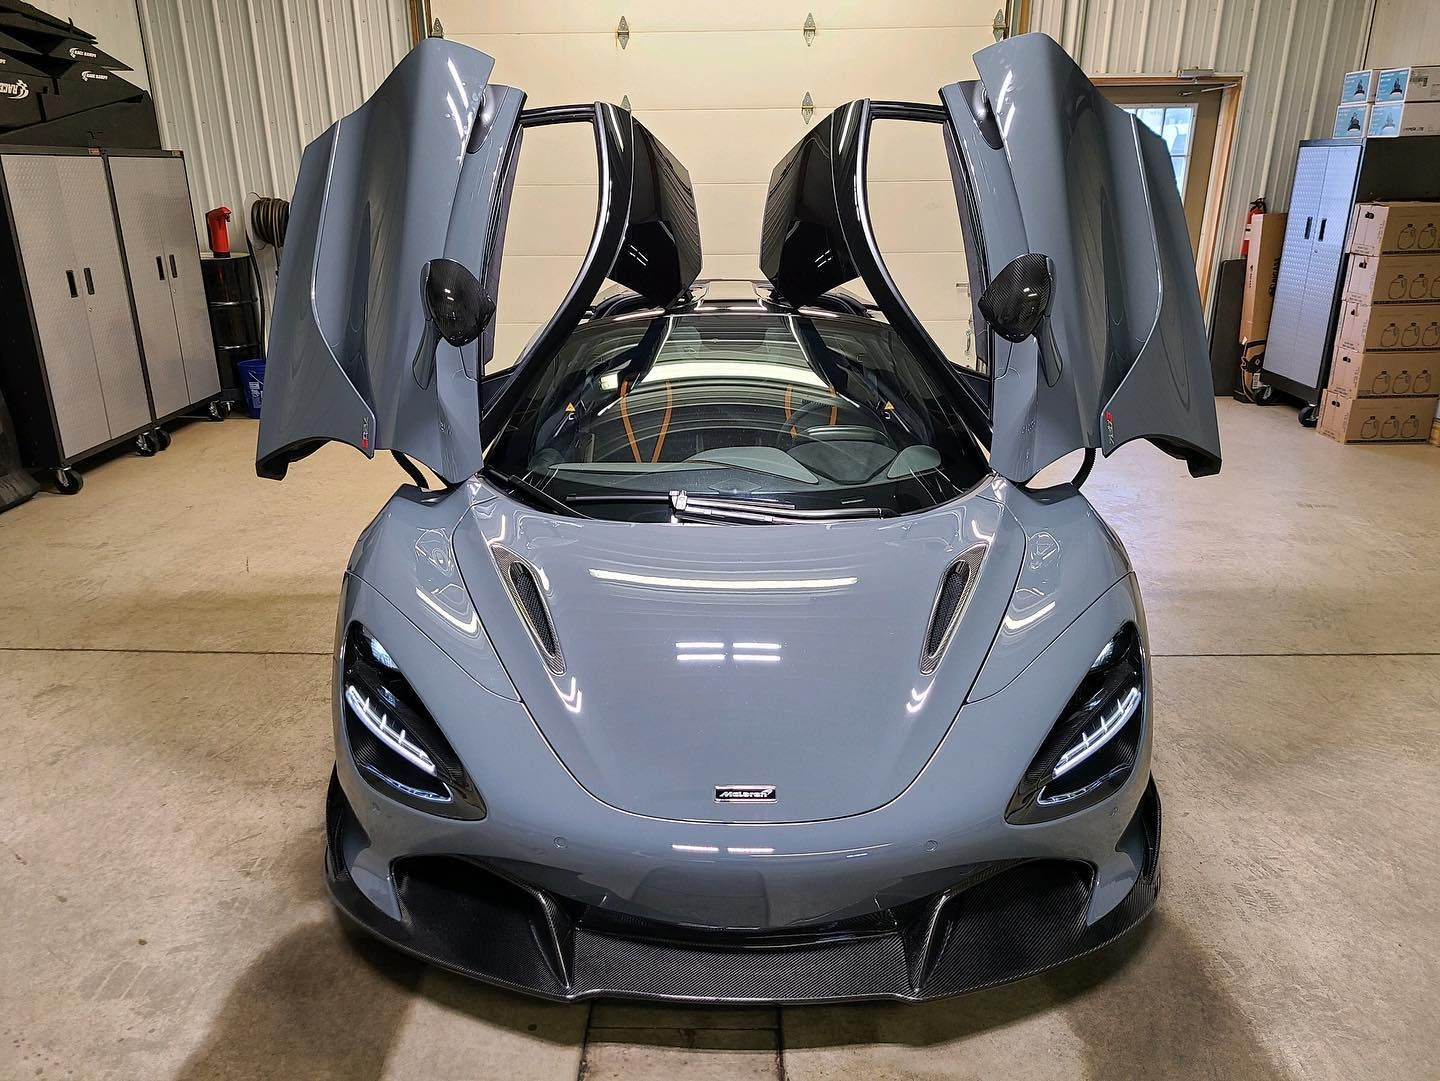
997, 921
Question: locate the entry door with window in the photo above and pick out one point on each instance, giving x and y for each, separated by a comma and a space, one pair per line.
1187, 116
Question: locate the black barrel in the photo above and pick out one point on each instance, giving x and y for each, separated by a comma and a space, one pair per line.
230, 290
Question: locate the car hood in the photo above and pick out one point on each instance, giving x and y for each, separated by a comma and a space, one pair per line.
697, 657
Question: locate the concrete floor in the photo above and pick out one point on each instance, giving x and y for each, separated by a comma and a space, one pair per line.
164, 642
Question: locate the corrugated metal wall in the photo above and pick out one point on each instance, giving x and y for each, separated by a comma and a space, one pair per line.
243, 85
1292, 54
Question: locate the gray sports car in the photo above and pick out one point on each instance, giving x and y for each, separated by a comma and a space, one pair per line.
731, 653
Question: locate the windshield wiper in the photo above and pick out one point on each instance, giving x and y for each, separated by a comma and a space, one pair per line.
530, 491
690, 508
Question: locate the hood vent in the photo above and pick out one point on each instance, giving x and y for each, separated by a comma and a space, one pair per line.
956, 587
523, 585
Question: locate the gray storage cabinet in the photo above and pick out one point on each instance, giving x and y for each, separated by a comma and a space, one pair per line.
152, 204
104, 329
1331, 176
85, 381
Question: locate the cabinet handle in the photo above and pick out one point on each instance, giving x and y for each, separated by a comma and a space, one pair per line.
1308, 222
70, 277
174, 271
1322, 228
89, 282
160, 266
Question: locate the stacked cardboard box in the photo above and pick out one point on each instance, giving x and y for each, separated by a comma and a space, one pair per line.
1385, 103
1385, 371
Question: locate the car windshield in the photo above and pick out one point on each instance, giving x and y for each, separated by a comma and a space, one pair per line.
797, 416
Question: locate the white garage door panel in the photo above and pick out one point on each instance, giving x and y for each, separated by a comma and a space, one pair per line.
732, 266
654, 16
510, 338
734, 70
721, 85
730, 216
560, 154
532, 286
915, 216
550, 219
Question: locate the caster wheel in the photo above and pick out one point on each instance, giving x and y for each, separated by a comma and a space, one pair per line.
219, 409
146, 445
162, 439
1264, 395
68, 482
1309, 416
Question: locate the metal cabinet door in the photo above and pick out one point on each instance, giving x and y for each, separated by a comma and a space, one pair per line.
142, 231
187, 289
1287, 350
57, 304
112, 326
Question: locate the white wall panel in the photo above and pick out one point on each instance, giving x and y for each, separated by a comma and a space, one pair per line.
1292, 54
1405, 32
241, 86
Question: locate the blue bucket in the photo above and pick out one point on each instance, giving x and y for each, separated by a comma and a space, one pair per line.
252, 384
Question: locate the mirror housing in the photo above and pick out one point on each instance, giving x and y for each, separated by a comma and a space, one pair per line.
455, 301
1018, 298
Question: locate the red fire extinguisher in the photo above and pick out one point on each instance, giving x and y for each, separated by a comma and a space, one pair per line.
215, 223
1257, 207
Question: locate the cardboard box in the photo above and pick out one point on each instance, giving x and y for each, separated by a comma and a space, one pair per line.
1384, 374
1358, 87
1365, 325
1390, 121
1395, 227
1351, 122
1393, 279
1435, 433
1407, 84
1262, 265
1376, 420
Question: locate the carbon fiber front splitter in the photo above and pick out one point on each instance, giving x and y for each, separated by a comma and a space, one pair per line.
1000, 921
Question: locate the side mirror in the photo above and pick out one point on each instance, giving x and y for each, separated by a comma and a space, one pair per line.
1018, 298
455, 301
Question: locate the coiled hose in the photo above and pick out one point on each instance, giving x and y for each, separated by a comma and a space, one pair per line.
268, 220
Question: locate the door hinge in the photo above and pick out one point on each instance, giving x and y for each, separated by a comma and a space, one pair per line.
625, 104
1000, 27
437, 28
807, 107
809, 28
622, 31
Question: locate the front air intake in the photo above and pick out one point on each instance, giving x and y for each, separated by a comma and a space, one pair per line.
956, 587
524, 589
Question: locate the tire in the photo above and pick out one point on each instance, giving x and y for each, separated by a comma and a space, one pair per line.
219, 409
146, 445
1309, 416
162, 439
68, 482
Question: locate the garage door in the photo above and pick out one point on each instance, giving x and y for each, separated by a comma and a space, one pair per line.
725, 87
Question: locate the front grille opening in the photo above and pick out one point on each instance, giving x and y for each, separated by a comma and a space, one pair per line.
524, 590
956, 586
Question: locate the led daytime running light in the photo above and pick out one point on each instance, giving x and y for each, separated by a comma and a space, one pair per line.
394, 738
1109, 724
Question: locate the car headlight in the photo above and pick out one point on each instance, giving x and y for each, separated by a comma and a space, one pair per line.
1091, 750
396, 744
